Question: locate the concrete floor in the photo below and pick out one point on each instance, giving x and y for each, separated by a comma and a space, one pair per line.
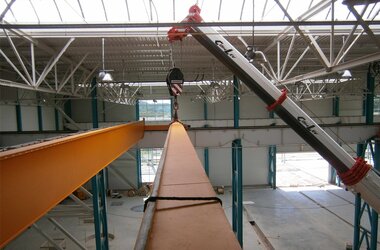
290, 218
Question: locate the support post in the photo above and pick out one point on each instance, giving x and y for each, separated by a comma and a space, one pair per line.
272, 150
358, 204
138, 151
67, 108
39, 114
138, 166
99, 187
18, 117
236, 102
237, 190
335, 106
360, 232
205, 110
137, 110
206, 150
375, 216
56, 119
369, 104
206, 159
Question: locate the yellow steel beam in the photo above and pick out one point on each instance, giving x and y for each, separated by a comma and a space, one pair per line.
35, 178
183, 224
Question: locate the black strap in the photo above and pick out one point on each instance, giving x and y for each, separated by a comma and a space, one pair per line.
173, 198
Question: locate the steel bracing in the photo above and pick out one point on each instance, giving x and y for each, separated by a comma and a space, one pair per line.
306, 51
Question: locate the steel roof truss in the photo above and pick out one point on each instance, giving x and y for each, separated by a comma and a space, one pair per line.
49, 66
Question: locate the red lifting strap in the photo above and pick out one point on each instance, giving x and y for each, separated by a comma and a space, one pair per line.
280, 100
356, 173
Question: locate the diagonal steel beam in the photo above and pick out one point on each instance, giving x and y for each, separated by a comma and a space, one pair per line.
14, 67
7, 83
308, 14
365, 26
9, 5
290, 49
346, 65
343, 50
311, 42
297, 62
72, 72
18, 56
55, 60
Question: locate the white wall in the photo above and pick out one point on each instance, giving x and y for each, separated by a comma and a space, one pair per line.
81, 111
220, 110
350, 106
317, 108
252, 107
119, 112
189, 110
255, 166
8, 119
29, 118
48, 118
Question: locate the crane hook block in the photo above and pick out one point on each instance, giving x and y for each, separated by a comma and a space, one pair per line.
175, 80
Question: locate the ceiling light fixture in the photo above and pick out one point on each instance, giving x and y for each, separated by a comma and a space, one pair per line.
104, 74
346, 74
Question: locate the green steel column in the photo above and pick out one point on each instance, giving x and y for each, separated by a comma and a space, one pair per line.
138, 167
360, 149
358, 204
206, 159
272, 150
206, 150
369, 105
205, 111
40, 121
138, 151
56, 119
137, 110
67, 108
94, 103
375, 216
335, 106
237, 190
18, 117
99, 187
236, 102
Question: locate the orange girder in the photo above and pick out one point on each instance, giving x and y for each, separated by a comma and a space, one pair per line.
194, 224
35, 178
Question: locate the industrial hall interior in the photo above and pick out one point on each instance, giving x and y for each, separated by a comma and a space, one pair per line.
189, 124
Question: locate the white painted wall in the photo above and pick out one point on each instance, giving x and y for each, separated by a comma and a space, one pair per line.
255, 166
220, 110
252, 107
8, 118
29, 118
351, 106
119, 112
317, 108
189, 110
48, 118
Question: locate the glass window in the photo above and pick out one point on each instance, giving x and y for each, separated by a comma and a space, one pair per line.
150, 158
155, 110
